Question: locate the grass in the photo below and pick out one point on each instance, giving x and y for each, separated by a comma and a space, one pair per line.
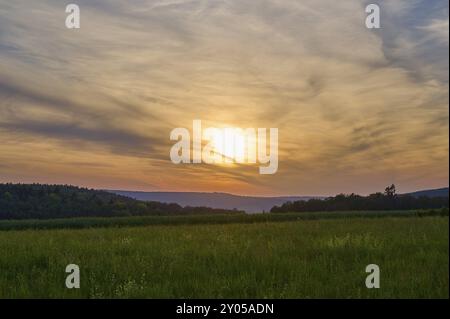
307, 258
95, 222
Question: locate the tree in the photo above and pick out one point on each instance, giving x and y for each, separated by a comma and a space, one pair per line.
390, 191
388, 200
21, 201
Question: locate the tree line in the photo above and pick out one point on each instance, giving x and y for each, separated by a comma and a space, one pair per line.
388, 200
39, 201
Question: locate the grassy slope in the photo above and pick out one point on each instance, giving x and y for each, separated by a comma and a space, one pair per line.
309, 258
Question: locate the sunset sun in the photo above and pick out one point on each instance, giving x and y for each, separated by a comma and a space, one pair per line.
230, 144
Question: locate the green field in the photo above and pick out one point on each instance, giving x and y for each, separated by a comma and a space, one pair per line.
95, 222
306, 258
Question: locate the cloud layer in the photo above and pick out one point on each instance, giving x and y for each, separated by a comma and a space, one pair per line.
356, 108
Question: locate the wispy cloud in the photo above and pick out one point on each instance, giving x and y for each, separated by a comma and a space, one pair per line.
356, 108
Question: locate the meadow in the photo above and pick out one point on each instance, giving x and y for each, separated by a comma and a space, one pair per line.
314, 256
95, 222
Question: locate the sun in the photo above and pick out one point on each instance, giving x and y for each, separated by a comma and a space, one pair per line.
231, 144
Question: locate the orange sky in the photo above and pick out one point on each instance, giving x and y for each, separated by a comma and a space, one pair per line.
356, 109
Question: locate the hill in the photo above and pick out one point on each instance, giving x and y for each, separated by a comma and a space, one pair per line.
36, 201
388, 200
250, 204
439, 192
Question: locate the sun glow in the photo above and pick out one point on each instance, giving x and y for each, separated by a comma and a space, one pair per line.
231, 144
226, 146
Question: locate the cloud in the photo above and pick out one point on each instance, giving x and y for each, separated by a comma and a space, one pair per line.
438, 30
353, 106
413, 37
120, 141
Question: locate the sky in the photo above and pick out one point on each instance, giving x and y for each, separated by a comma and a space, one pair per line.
357, 109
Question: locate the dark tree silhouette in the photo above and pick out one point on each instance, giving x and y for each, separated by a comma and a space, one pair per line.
378, 201
390, 191
25, 201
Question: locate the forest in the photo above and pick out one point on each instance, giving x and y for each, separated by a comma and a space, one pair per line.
38, 201
389, 200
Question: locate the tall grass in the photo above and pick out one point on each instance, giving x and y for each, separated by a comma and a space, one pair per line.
91, 222
293, 259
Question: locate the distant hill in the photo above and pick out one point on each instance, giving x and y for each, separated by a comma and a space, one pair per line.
250, 204
37, 201
439, 192
389, 200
